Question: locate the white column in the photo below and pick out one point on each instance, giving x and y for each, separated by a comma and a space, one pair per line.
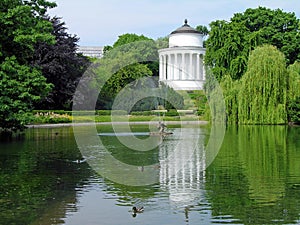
179, 61
198, 70
169, 67
183, 68
191, 72
202, 68
166, 66
176, 71
160, 67
173, 66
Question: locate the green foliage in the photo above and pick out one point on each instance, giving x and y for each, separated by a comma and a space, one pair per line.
202, 29
172, 112
21, 85
230, 43
51, 118
132, 57
266, 94
162, 42
146, 97
200, 100
262, 97
294, 93
22, 25
59, 112
172, 99
61, 65
215, 106
103, 112
294, 111
128, 75
231, 94
129, 38
141, 113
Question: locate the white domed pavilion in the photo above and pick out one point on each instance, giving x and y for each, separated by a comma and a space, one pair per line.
181, 65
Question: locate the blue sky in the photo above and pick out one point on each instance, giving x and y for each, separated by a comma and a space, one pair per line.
100, 22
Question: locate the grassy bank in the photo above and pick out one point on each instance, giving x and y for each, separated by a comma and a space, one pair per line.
60, 116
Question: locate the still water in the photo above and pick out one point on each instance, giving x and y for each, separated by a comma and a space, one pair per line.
254, 178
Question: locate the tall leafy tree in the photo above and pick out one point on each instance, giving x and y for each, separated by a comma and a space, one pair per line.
230, 43
22, 25
293, 94
61, 65
124, 52
162, 42
263, 93
202, 29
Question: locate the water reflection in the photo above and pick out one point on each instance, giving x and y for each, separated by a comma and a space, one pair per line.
255, 179
249, 179
183, 174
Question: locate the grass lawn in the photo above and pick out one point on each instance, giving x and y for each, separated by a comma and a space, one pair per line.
53, 118
99, 119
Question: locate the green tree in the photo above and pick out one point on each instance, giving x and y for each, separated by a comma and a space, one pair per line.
162, 42
61, 65
129, 38
22, 25
124, 52
263, 90
202, 29
230, 43
293, 106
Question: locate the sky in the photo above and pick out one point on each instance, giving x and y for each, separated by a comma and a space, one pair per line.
100, 22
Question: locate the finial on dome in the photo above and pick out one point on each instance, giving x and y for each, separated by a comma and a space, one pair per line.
185, 22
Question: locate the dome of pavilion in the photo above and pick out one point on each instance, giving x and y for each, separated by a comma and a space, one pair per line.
185, 36
185, 28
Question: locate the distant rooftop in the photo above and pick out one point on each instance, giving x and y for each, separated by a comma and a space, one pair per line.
91, 51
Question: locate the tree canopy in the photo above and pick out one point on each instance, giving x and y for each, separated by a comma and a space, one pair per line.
229, 43
263, 91
22, 25
61, 65
124, 52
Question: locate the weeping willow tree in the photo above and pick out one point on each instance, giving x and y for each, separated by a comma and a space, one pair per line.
263, 89
293, 105
231, 92
215, 110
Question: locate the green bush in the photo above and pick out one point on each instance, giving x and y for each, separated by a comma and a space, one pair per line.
294, 111
172, 112
141, 113
59, 112
119, 112
51, 117
103, 112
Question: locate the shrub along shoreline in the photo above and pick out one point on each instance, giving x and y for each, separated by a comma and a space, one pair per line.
105, 116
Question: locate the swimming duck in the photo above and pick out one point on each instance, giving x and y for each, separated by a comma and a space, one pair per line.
137, 210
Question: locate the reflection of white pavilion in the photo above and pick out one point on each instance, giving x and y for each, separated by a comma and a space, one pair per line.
181, 65
182, 167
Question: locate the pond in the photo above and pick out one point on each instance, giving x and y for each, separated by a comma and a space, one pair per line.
254, 178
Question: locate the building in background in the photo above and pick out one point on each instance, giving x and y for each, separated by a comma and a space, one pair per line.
91, 51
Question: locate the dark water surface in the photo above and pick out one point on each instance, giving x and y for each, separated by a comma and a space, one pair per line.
254, 179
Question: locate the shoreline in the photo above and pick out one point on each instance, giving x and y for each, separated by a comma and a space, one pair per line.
196, 122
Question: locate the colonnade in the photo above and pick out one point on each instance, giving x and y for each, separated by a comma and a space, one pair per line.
177, 65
